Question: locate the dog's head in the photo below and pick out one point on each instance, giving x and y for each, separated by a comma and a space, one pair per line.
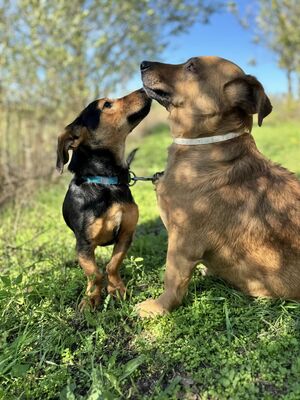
104, 123
207, 93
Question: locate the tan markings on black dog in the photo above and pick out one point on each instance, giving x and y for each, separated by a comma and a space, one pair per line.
101, 213
223, 204
120, 219
94, 277
127, 228
101, 230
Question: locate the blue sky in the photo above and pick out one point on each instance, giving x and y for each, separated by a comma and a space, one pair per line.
225, 37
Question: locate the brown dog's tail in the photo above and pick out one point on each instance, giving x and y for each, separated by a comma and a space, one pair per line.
130, 157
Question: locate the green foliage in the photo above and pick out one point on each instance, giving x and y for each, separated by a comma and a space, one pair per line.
275, 24
278, 22
56, 56
59, 53
219, 345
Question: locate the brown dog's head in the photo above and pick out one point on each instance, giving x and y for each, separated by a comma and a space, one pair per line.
206, 95
104, 123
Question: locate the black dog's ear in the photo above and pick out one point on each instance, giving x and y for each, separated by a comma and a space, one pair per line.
247, 93
75, 133
71, 138
130, 157
89, 117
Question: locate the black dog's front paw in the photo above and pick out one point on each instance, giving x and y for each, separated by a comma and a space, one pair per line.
157, 176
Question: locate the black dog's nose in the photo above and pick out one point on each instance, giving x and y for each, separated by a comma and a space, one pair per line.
145, 65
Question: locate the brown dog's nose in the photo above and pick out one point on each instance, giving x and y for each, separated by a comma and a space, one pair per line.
145, 65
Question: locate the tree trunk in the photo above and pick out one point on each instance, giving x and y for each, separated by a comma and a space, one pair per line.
5, 147
289, 79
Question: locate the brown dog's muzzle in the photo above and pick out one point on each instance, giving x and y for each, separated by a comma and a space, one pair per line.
157, 80
145, 65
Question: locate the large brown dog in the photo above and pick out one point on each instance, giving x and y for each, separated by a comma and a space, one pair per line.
223, 203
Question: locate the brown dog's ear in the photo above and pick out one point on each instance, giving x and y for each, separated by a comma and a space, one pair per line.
247, 92
72, 137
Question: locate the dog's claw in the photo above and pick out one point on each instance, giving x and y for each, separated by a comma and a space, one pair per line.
89, 303
150, 308
120, 290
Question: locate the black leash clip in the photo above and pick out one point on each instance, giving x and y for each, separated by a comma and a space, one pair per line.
133, 178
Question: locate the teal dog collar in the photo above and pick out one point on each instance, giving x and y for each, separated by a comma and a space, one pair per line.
102, 180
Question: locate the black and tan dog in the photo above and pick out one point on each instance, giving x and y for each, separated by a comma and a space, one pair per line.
98, 206
223, 202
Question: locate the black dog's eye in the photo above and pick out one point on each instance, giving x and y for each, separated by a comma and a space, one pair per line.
107, 104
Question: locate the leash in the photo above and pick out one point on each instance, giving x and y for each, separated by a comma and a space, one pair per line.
135, 179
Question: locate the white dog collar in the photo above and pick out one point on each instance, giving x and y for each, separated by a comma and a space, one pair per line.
207, 140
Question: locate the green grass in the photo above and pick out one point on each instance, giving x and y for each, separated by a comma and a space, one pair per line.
219, 345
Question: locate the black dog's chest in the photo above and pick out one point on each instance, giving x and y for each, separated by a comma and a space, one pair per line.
85, 202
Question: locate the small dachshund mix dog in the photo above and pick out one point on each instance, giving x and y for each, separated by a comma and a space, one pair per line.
99, 206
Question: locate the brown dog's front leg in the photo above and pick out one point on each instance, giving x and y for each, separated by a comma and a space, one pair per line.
178, 273
94, 276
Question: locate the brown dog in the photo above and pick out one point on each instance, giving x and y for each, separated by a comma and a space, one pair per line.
222, 202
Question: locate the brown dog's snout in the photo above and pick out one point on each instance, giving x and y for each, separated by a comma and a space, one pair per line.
145, 65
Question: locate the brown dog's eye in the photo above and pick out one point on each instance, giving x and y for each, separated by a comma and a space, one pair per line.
107, 104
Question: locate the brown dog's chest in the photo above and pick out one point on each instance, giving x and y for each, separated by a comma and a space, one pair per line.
252, 219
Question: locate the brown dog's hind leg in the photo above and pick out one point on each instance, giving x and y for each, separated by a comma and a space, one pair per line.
87, 261
178, 273
128, 224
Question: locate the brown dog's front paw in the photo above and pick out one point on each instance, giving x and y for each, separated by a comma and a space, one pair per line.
150, 308
89, 303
